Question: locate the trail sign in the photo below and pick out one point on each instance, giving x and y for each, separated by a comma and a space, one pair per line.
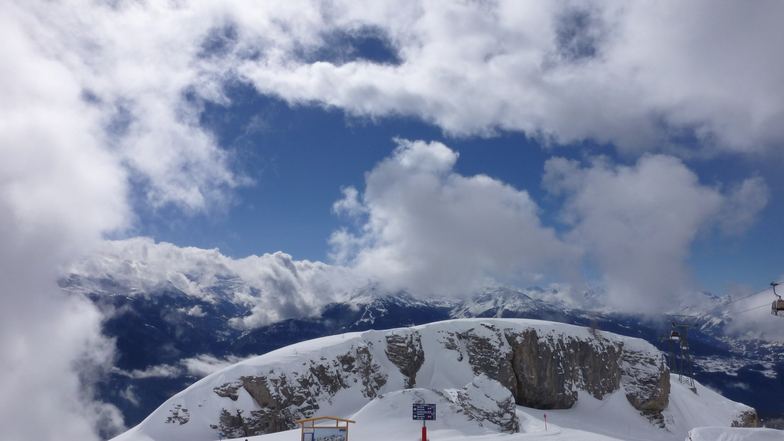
426, 412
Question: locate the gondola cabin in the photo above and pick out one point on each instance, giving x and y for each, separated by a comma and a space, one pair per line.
675, 335
778, 305
777, 308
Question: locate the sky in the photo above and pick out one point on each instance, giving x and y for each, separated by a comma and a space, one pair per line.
432, 145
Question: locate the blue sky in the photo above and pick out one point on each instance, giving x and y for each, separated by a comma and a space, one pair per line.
429, 145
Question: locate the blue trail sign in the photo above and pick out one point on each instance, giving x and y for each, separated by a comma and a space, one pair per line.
425, 412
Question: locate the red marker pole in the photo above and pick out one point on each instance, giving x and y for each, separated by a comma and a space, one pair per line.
545, 423
424, 431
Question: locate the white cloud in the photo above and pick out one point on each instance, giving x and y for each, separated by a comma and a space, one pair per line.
130, 395
206, 364
645, 75
743, 204
637, 223
273, 286
349, 205
430, 229
159, 371
65, 177
59, 191
196, 311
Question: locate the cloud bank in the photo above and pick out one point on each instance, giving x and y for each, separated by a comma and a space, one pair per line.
274, 286
643, 76
637, 223
73, 162
421, 225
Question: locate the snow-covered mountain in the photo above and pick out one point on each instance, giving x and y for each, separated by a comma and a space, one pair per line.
485, 376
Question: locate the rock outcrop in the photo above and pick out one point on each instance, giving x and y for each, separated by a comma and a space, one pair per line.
404, 350
545, 372
550, 370
490, 403
283, 400
748, 418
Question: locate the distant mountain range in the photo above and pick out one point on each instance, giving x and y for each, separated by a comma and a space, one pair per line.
167, 339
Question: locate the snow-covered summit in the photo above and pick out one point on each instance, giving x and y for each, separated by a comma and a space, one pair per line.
479, 371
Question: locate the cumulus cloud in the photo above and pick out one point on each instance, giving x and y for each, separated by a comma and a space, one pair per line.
421, 226
637, 223
429, 229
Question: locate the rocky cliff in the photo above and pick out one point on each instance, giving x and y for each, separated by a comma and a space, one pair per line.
542, 369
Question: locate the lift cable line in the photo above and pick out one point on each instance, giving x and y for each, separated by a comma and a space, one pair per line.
747, 310
742, 298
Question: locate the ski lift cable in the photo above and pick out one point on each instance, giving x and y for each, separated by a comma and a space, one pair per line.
737, 300
747, 310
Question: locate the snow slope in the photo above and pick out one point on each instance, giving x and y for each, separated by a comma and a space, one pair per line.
388, 418
469, 407
734, 434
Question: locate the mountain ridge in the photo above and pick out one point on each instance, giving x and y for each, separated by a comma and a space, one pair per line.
481, 368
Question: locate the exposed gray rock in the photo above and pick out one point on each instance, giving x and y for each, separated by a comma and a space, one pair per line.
746, 419
545, 372
549, 372
490, 403
404, 349
286, 398
369, 372
228, 390
646, 380
178, 415
232, 425
490, 355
